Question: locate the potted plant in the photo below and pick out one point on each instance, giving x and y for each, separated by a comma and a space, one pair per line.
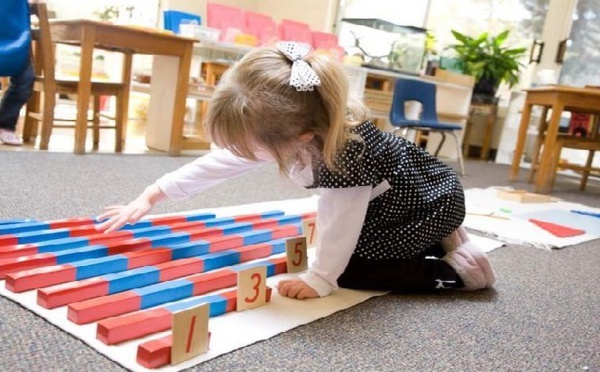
485, 58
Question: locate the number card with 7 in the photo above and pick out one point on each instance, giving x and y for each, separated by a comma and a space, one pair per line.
309, 229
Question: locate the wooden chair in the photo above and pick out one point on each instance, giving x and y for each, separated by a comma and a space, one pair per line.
40, 107
591, 143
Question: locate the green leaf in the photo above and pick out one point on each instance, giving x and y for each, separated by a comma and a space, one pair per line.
486, 56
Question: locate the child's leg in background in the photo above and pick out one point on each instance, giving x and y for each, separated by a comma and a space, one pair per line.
402, 275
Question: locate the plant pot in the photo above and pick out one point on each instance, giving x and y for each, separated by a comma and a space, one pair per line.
484, 91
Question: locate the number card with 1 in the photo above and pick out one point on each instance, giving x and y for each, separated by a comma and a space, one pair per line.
309, 229
190, 333
297, 259
252, 288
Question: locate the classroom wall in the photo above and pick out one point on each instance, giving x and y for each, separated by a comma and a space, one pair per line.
319, 14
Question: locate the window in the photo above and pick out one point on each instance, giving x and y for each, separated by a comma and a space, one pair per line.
582, 59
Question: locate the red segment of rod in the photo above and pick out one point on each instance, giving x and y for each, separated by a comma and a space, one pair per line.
155, 353
308, 216
8, 240
252, 252
280, 264
210, 232
180, 268
263, 224
41, 277
213, 280
188, 225
71, 222
64, 294
102, 238
220, 243
285, 231
147, 257
131, 326
126, 245
18, 250
103, 307
10, 265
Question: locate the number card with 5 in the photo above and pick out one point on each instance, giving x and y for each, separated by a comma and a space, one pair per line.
297, 259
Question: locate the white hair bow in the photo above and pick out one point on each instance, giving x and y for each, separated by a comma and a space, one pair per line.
303, 77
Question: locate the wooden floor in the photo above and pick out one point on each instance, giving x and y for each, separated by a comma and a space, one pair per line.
62, 140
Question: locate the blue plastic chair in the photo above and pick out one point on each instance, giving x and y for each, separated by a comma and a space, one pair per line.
407, 90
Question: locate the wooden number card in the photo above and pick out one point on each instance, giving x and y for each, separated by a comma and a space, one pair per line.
190, 333
252, 288
295, 250
309, 229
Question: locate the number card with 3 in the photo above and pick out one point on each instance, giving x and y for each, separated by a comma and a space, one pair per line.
309, 229
295, 250
252, 288
190, 333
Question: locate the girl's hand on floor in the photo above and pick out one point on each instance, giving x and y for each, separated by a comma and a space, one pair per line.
118, 216
296, 289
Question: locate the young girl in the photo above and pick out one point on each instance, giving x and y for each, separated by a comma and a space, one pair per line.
389, 214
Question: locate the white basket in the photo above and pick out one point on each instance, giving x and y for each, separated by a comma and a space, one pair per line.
199, 32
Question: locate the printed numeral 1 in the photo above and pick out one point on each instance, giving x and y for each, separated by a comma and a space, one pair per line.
190, 333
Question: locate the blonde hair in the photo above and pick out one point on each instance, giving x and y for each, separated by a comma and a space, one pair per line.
254, 107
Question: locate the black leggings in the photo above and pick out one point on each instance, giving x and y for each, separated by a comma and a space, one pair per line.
418, 274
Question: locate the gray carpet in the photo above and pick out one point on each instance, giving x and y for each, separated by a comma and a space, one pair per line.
543, 315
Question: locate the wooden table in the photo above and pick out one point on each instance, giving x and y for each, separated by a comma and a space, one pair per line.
558, 98
176, 50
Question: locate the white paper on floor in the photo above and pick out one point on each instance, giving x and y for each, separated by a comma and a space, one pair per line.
279, 315
508, 220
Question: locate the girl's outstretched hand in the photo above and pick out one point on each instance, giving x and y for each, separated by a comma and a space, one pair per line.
296, 288
117, 216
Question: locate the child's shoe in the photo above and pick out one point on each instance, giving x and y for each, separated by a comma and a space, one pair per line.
10, 138
469, 261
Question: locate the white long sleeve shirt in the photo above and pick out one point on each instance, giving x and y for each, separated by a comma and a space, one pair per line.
341, 212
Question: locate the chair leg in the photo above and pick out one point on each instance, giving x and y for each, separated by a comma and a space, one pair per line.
537, 147
96, 122
400, 129
437, 150
535, 158
459, 153
119, 123
47, 119
555, 155
30, 124
586, 173
467, 137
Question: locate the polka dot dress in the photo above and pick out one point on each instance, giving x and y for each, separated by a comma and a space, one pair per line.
424, 204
